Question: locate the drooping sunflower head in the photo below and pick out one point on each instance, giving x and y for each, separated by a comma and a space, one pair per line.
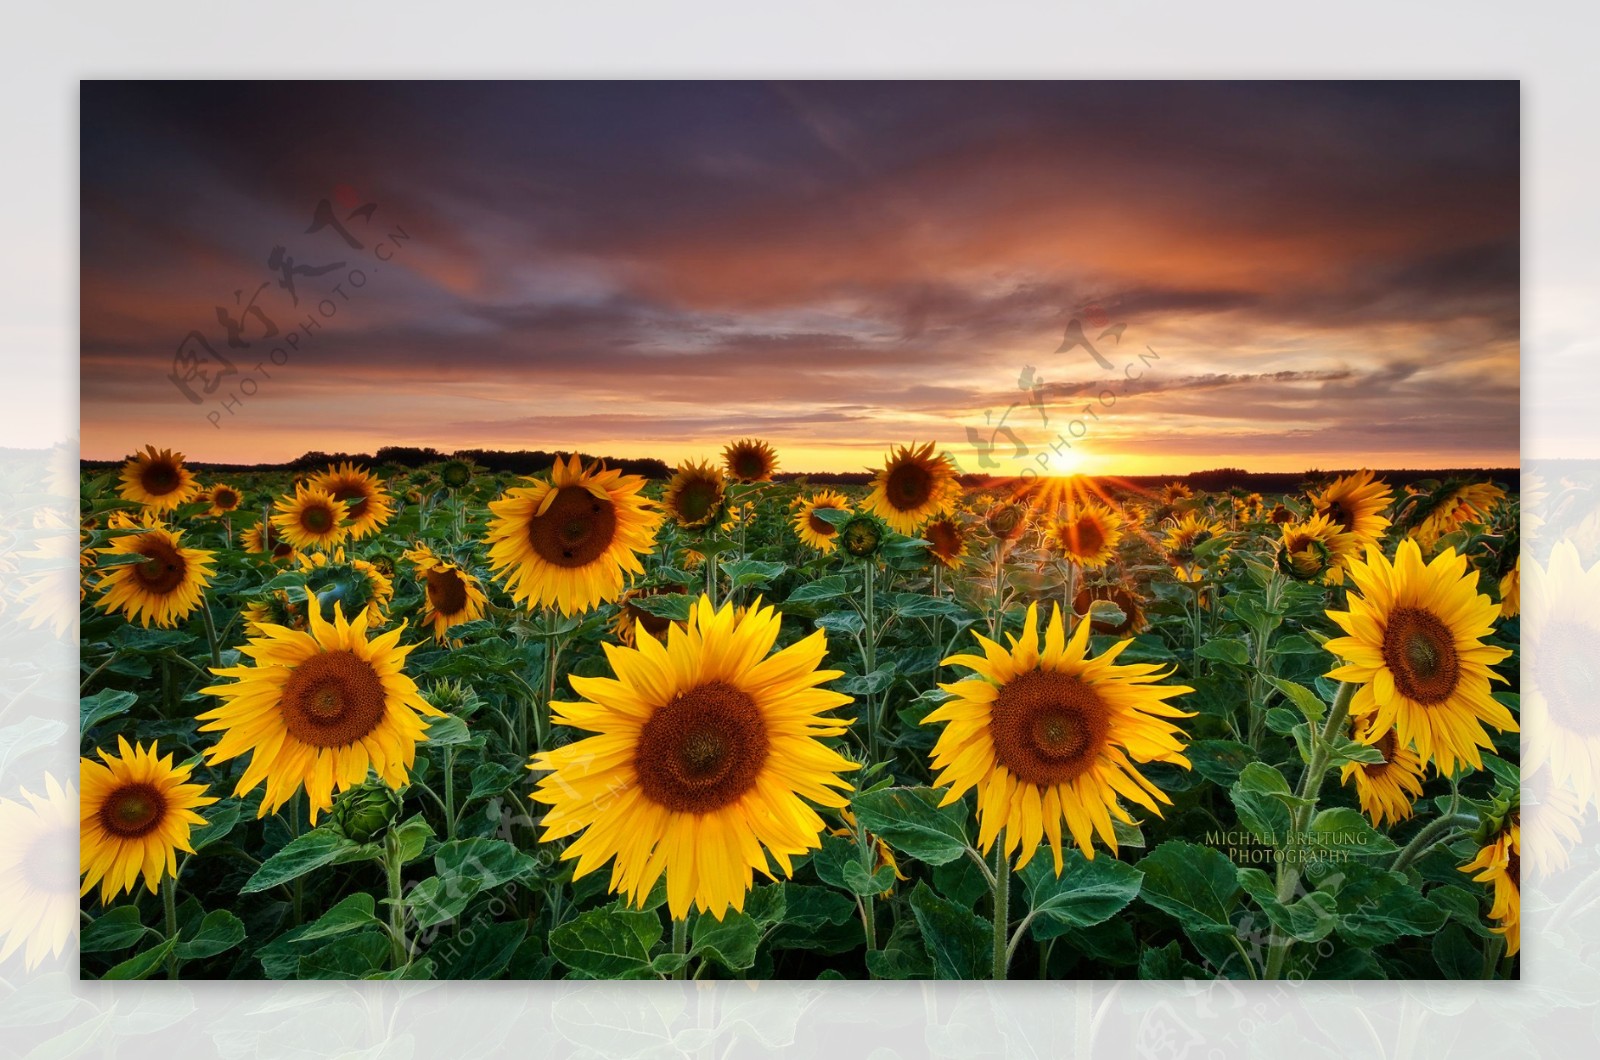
631, 617
223, 499
914, 485
570, 540
1415, 645
860, 536
1316, 550
1174, 493
1448, 508
367, 507
811, 527
456, 474
1119, 596
1387, 789
355, 584
947, 540
38, 907
257, 541
312, 518
697, 495
1008, 521
318, 709
1356, 503
707, 757
158, 480
453, 594
164, 585
750, 460
1047, 734
135, 812
1499, 864
1187, 533
1087, 534
275, 607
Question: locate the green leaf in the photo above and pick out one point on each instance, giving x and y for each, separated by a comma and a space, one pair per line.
1457, 956
859, 880
665, 964
219, 932
730, 942
1345, 831
1225, 649
352, 914
1196, 885
960, 944
1309, 919
1295, 644
846, 622
1168, 962
1304, 700
911, 821
448, 731
103, 705
490, 949
491, 862
1219, 761
829, 588
437, 900
490, 778
1261, 798
409, 837
674, 607
914, 605
747, 572
351, 957
1460, 904
1087, 892
142, 964
903, 956
119, 928
303, 854
1376, 906
612, 942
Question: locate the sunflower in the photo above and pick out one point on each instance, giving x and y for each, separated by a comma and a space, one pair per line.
706, 755
319, 709
1499, 863
254, 540
1316, 550
456, 474
860, 536
569, 541
1126, 602
947, 541
882, 854
1051, 734
1561, 625
749, 460
1174, 493
356, 584
453, 594
1452, 506
312, 518
631, 617
134, 815
814, 531
1087, 534
1280, 515
1356, 502
165, 586
1550, 817
158, 480
1188, 533
696, 496
1008, 522
913, 485
273, 608
37, 905
367, 506
1414, 645
1386, 790
1511, 590
222, 498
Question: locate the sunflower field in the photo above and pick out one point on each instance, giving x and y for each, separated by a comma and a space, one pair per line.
380, 722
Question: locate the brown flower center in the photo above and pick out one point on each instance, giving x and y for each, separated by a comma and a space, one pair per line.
575, 530
1084, 537
1048, 727
447, 592
224, 498
132, 810
163, 567
749, 464
908, 486
944, 539
696, 501
355, 497
1124, 600
160, 477
317, 518
1421, 653
1387, 745
818, 525
332, 700
1339, 512
703, 750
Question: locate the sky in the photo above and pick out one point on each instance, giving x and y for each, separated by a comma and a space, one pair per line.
1277, 276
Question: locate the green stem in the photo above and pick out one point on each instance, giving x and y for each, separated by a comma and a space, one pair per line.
450, 793
169, 903
1002, 905
680, 944
211, 631
869, 653
1435, 832
399, 952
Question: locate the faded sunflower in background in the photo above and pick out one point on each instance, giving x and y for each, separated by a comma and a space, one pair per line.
1449, 508
1414, 645
135, 813
1187, 533
255, 541
38, 906
696, 496
812, 528
1087, 534
318, 709
1387, 789
1045, 734
165, 585
453, 595
1174, 493
1511, 590
158, 480
222, 499
367, 507
1119, 596
913, 486
749, 460
1561, 627
1499, 864
311, 519
1316, 549
706, 758
1356, 502
947, 541
570, 541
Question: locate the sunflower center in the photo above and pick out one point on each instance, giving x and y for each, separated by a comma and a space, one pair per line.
819, 525
1339, 512
225, 498
317, 518
1421, 653
354, 497
703, 750
1387, 745
1086, 537
162, 570
1048, 727
447, 591
945, 539
575, 530
132, 810
697, 500
159, 478
749, 464
909, 486
332, 700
